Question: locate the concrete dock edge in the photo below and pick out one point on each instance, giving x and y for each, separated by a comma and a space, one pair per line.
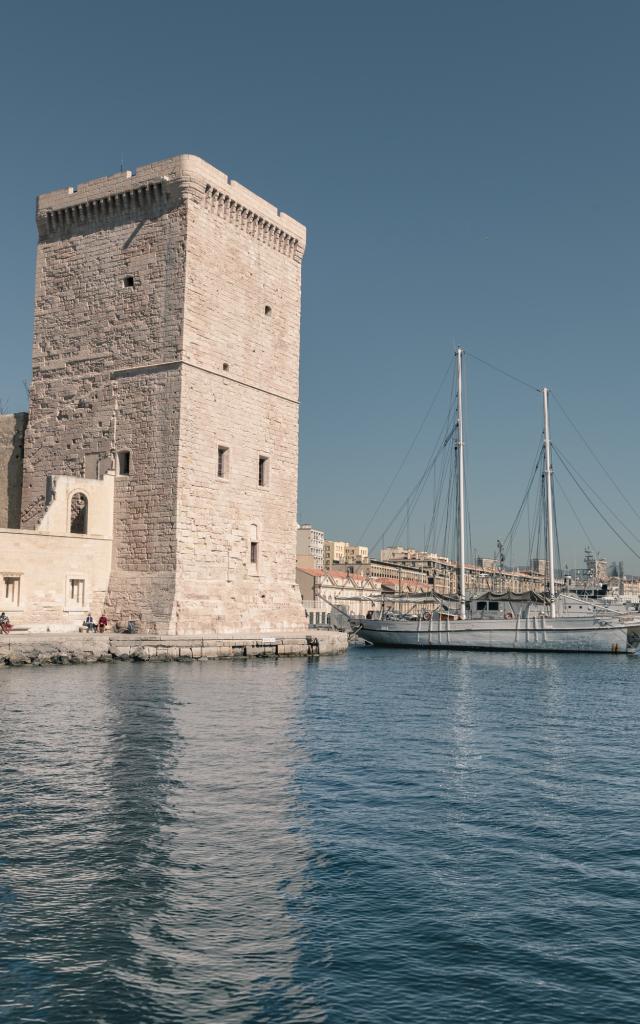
22, 649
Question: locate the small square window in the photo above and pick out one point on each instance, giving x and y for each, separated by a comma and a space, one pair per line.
263, 471
223, 462
267, 310
225, 367
128, 281
124, 463
493, 606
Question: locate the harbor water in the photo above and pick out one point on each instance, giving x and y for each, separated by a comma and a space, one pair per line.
381, 837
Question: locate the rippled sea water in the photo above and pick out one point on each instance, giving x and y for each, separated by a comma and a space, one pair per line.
382, 837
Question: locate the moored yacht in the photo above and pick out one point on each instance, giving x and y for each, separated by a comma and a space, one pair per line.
507, 621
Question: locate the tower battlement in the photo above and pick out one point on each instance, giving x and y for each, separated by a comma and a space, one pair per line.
162, 184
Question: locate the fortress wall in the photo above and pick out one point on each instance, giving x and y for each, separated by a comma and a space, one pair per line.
88, 324
146, 286
12, 429
240, 391
105, 368
218, 588
45, 563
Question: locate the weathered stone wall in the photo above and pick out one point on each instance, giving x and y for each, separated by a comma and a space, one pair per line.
12, 429
240, 391
37, 566
167, 323
105, 370
45, 563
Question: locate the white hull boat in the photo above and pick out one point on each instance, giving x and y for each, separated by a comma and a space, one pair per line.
530, 633
507, 622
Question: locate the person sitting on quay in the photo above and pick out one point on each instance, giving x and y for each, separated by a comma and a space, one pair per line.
5, 625
89, 624
102, 623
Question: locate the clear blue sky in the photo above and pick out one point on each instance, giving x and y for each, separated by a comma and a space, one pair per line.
469, 174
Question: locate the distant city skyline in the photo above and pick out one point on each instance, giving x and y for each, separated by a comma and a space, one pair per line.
468, 175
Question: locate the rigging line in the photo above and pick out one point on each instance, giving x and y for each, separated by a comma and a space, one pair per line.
435, 454
578, 520
601, 499
409, 450
437, 497
417, 488
594, 506
511, 533
590, 449
499, 369
514, 526
413, 499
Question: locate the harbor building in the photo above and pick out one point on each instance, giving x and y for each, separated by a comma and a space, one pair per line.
155, 475
332, 596
342, 552
356, 554
309, 547
335, 552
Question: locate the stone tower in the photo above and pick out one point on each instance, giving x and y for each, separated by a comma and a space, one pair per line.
166, 345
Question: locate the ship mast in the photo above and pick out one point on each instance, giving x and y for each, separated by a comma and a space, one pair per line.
548, 480
460, 451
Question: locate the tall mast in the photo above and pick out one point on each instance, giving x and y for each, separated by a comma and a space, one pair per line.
548, 479
460, 450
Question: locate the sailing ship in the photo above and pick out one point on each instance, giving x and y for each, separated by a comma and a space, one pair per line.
506, 621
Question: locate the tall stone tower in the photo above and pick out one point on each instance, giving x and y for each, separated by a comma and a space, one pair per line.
166, 345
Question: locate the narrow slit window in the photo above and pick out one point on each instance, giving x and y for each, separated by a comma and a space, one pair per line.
124, 463
253, 549
263, 471
223, 462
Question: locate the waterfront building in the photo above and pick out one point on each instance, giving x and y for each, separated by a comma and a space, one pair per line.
309, 547
486, 564
595, 568
155, 476
330, 596
442, 573
335, 552
629, 588
356, 554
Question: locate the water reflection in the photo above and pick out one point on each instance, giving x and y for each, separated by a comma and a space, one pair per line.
133, 877
240, 854
390, 836
166, 850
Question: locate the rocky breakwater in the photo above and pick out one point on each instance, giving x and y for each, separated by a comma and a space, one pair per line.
20, 649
